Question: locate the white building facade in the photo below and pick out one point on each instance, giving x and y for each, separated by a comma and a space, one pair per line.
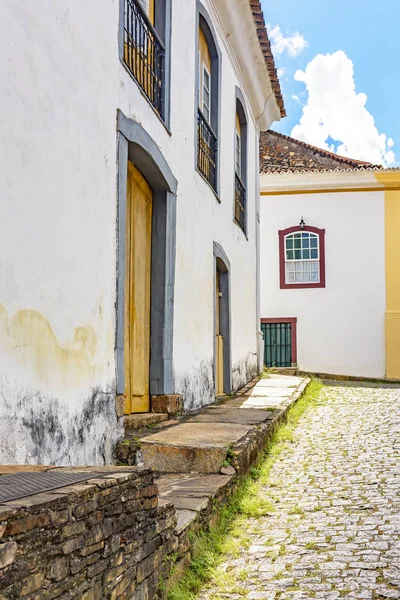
323, 284
129, 194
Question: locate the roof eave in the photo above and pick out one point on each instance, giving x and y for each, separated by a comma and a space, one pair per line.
262, 87
322, 181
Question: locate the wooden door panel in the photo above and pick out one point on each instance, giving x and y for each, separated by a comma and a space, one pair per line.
137, 292
219, 340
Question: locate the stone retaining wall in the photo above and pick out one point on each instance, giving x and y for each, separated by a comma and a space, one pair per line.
106, 538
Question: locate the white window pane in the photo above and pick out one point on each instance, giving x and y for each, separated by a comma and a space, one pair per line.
206, 97
206, 79
238, 156
206, 94
302, 271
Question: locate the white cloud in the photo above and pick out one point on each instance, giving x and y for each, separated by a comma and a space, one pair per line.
293, 44
296, 98
335, 111
281, 72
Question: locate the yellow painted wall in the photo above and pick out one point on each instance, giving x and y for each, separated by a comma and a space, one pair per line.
391, 181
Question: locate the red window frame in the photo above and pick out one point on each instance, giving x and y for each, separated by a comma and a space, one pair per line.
296, 286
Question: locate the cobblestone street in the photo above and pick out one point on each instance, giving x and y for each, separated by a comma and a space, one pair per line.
335, 528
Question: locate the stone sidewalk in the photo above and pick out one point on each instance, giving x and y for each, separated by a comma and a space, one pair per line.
198, 459
335, 529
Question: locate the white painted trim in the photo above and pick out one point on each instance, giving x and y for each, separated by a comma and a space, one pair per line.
249, 58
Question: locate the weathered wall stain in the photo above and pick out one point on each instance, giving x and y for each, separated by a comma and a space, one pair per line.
243, 371
30, 340
37, 428
57, 402
197, 387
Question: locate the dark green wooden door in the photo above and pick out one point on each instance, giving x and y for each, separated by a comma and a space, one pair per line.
277, 344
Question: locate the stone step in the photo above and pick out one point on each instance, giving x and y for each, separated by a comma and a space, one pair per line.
139, 420
191, 447
285, 370
230, 432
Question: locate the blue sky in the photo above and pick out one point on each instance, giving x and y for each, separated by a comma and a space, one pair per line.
323, 106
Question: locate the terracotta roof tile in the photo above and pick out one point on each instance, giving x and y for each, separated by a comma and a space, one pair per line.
267, 52
280, 153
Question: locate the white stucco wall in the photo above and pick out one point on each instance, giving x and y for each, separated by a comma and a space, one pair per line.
340, 329
62, 86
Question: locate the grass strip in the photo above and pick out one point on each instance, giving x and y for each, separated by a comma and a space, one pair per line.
212, 545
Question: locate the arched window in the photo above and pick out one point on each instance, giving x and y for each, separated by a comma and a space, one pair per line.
208, 81
302, 257
240, 208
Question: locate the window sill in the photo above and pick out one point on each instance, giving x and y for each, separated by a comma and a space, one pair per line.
208, 183
159, 117
302, 286
242, 230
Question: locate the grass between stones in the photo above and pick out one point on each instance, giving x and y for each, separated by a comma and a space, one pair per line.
230, 535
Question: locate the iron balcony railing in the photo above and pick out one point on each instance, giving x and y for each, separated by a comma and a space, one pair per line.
240, 202
144, 54
207, 147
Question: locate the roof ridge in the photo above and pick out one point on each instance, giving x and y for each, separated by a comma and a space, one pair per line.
265, 44
358, 169
322, 150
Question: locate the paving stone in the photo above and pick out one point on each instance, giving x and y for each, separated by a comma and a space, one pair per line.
335, 531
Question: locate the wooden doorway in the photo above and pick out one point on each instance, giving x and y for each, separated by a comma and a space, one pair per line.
139, 201
220, 338
222, 321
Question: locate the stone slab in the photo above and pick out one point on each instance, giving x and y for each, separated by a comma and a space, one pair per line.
271, 392
165, 458
139, 420
167, 403
279, 381
190, 494
190, 503
199, 435
8, 469
263, 402
227, 414
206, 485
184, 519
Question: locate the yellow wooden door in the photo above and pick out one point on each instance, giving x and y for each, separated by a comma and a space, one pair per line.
219, 341
137, 292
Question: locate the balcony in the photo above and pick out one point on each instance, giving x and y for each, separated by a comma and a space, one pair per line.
240, 203
207, 147
144, 54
